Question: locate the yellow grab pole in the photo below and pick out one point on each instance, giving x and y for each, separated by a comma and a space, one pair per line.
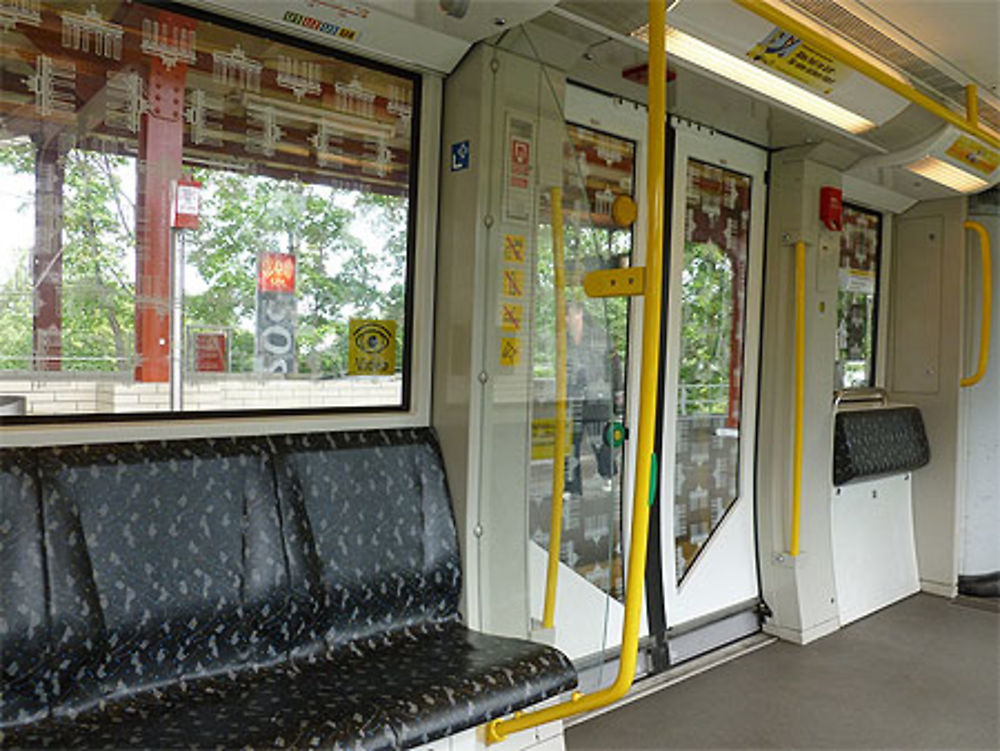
972, 104
987, 304
800, 392
646, 464
559, 452
828, 45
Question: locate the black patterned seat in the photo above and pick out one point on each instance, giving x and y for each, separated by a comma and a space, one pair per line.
294, 591
873, 442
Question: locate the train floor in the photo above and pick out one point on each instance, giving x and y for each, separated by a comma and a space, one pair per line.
921, 674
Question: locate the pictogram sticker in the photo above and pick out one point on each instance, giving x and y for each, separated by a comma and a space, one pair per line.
371, 347
513, 282
513, 248
510, 351
511, 316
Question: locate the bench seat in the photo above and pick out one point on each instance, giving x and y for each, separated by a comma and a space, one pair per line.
293, 591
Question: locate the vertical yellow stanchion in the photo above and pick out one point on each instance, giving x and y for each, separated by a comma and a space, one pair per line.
646, 463
559, 452
800, 392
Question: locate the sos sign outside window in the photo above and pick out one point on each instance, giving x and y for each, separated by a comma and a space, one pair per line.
276, 313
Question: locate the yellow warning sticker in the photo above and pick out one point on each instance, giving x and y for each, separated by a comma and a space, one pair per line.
543, 438
510, 351
371, 347
974, 154
513, 248
513, 282
790, 56
511, 316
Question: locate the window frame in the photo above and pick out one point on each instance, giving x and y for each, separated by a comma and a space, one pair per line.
414, 407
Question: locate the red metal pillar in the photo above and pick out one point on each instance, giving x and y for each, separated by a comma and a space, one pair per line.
161, 141
46, 260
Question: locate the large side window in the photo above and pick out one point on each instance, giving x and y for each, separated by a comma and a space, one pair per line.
198, 218
857, 298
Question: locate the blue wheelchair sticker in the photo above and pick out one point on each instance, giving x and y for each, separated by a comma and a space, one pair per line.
460, 153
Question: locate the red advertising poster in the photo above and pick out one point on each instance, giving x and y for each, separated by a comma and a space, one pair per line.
277, 273
210, 353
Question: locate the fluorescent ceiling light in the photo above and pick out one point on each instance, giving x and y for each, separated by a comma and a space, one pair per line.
762, 81
947, 174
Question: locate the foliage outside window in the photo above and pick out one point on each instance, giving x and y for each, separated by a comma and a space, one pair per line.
857, 298
303, 164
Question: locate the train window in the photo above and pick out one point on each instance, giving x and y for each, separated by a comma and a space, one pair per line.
713, 324
198, 218
857, 298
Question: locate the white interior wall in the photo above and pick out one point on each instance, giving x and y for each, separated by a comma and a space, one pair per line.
981, 419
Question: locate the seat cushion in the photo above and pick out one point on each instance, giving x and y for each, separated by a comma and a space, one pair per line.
437, 679
396, 690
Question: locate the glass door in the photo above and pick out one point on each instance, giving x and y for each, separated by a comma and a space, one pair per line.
708, 556
600, 166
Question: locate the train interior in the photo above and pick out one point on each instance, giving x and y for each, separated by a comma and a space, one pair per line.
447, 374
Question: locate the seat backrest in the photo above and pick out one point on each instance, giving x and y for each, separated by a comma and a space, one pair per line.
185, 548
873, 442
383, 536
51, 628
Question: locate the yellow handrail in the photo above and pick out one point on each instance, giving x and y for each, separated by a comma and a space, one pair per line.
800, 391
828, 45
559, 452
646, 464
987, 305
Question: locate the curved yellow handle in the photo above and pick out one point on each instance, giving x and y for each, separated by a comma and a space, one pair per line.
987, 305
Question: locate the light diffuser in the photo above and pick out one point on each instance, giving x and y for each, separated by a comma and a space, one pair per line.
745, 73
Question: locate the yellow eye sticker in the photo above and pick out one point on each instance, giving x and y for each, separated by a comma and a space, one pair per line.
372, 347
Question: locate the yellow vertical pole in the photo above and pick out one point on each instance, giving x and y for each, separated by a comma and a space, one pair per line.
559, 452
800, 391
646, 462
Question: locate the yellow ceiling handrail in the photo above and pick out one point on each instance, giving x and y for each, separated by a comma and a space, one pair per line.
987, 304
646, 465
830, 46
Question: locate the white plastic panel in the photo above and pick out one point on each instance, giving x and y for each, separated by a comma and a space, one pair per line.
874, 554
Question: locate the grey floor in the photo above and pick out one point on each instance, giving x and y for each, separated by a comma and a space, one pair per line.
924, 673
